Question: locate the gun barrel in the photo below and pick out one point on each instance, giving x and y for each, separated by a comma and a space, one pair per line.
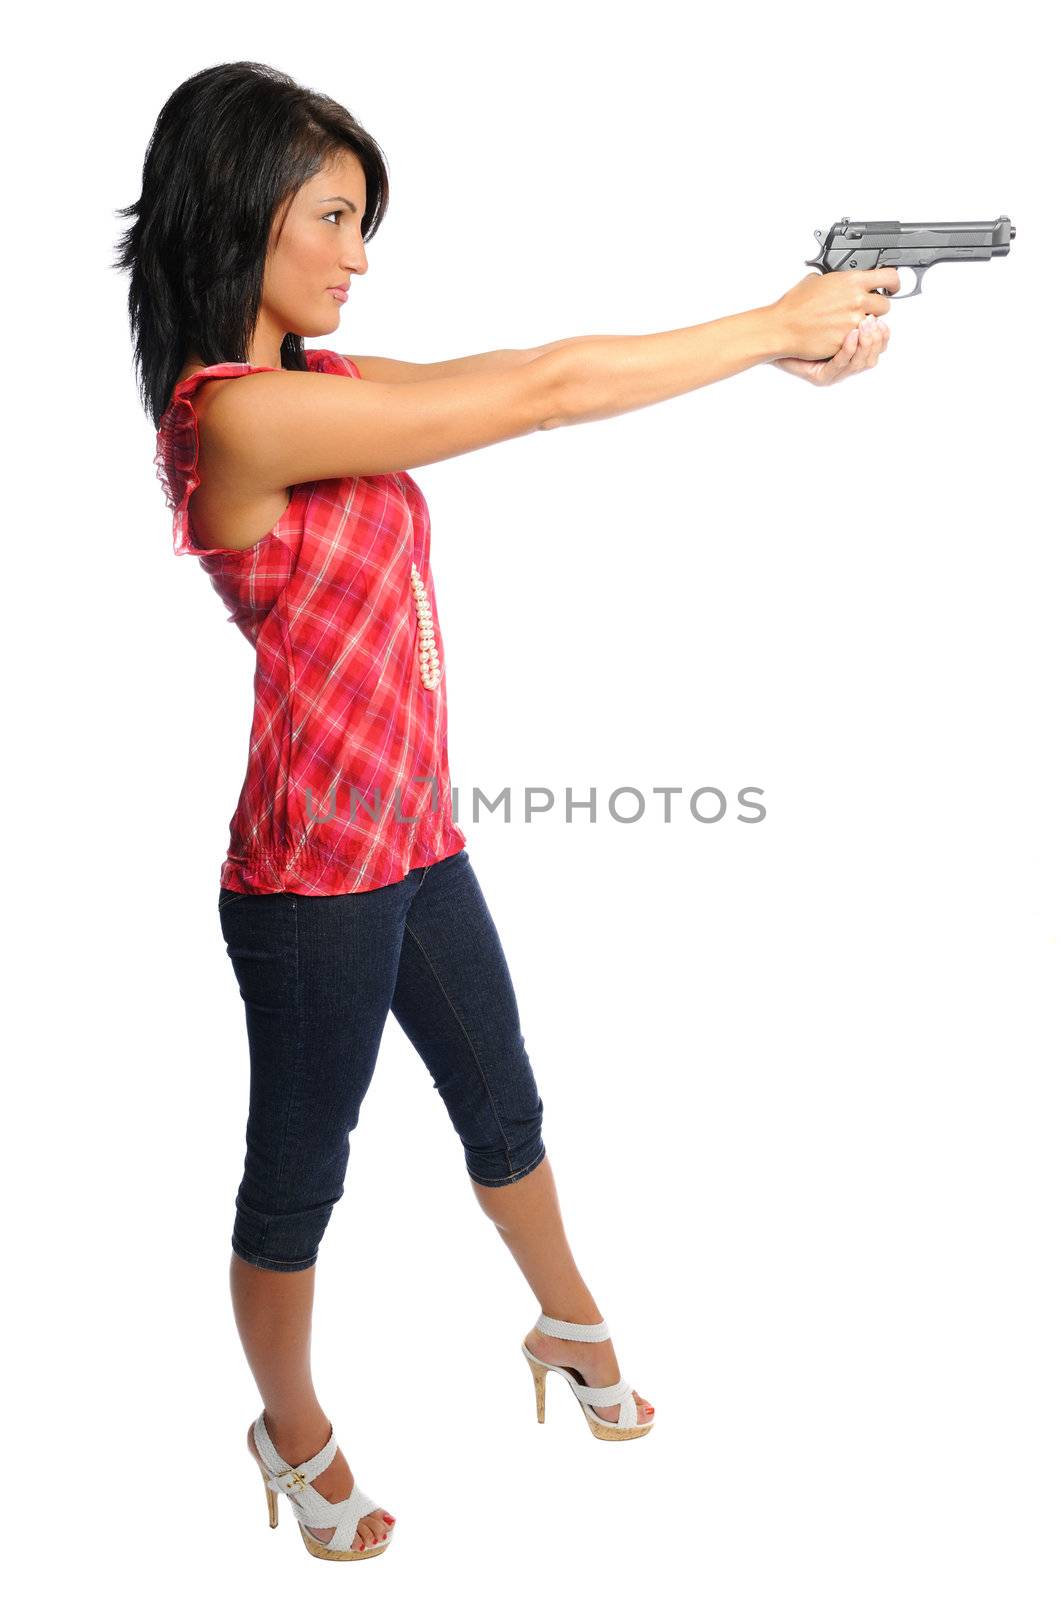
948, 227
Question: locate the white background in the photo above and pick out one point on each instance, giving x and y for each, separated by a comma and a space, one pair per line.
801, 1079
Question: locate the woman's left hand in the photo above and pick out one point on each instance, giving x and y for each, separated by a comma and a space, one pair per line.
855, 355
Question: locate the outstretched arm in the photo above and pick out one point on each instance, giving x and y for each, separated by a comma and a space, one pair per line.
382, 369
609, 374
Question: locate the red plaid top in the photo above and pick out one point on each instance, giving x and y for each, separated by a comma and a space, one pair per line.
348, 782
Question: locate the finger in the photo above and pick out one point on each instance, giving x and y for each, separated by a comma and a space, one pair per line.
839, 364
881, 278
855, 348
876, 345
847, 349
866, 347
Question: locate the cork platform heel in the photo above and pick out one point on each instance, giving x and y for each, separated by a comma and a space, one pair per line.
311, 1509
619, 1393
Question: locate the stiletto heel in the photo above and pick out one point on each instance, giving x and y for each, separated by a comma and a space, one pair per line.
271, 1501
619, 1393
539, 1374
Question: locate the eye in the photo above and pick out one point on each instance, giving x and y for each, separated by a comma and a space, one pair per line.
331, 214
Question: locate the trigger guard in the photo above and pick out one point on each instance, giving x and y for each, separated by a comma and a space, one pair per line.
919, 274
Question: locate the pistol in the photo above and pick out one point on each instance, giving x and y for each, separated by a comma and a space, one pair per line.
919, 245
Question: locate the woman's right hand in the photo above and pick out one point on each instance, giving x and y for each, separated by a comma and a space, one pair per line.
814, 317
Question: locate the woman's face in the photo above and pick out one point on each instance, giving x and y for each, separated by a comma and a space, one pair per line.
318, 247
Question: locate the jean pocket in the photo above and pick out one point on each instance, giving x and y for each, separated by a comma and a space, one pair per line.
227, 896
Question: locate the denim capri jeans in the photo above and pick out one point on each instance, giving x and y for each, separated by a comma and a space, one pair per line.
318, 975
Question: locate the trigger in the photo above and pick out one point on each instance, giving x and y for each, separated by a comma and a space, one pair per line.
919, 273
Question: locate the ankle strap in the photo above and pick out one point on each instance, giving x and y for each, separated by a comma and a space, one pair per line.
285, 1476
588, 1332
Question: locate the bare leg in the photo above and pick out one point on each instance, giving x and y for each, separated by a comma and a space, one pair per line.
273, 1314
528, 1217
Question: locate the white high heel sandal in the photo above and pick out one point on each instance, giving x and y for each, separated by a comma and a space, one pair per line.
311, 1508
625, 1427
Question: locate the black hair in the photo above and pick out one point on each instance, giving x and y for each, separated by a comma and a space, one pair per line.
231, 145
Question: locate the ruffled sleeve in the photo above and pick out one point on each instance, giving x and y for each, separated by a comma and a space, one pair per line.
177, 454
331, 361
177, 441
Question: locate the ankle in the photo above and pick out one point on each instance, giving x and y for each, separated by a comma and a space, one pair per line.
580, 1314
298, 1436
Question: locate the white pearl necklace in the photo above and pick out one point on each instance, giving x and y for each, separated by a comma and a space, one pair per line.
431, 672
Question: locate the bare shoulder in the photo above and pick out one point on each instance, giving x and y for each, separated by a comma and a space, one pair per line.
232, 507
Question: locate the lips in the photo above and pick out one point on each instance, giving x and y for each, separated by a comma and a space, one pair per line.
339, 294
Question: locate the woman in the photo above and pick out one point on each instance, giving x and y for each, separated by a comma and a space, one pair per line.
347, 892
